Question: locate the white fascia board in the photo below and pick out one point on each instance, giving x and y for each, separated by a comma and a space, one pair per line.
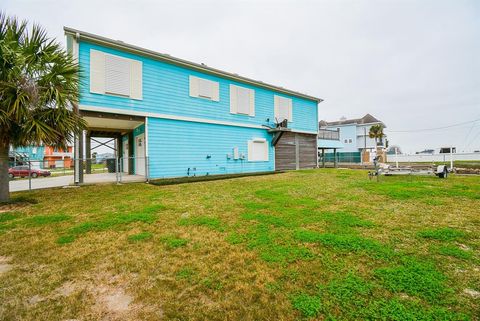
183, 118
166, 116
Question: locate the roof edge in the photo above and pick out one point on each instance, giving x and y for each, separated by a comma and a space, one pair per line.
358, 124
181, 62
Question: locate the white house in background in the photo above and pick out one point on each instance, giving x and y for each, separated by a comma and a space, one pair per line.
354, 133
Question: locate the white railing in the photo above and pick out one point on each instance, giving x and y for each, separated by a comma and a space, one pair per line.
62, 154
434, 157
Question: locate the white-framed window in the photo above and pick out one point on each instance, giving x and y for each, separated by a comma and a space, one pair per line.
242, 100
349, 140
204, 88
282, 108
258, 150
115, 75
346, 141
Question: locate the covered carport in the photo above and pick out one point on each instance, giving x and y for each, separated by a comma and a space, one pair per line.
325, 145
102, 130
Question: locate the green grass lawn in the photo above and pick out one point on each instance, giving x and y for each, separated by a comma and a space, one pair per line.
316, 244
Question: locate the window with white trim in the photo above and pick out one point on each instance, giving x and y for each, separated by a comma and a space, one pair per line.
204, 88
258, 150
283, 109
242, 100
115, 75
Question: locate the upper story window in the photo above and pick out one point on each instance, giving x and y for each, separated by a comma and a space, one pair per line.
257, 150
204, 88
283, 109
242, 100
115, 75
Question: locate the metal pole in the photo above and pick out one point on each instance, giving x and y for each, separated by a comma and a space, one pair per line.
121, 168
451, 158
147, 174
116, 168
323, 157
335, 157
396, 156
29, 175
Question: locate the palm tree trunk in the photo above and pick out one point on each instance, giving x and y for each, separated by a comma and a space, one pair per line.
4, 184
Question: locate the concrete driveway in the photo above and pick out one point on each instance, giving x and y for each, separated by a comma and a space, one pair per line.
17, 185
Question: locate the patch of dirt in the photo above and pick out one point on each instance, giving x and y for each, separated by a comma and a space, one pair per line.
474, 294
4, 265
66, 289
13, 206
117, 301
35, 299
464, 247
114, 303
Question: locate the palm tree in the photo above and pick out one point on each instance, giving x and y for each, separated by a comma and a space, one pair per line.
38, 92
376, 132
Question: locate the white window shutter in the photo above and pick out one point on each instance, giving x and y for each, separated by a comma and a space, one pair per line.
193, 86
216, 91
117, 75
97, 72
283, 108
250, 151
257, 150
233, 99
252, 102
136, 79
205, 88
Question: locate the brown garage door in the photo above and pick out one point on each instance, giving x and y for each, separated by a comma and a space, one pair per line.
295, 150
285, 152
308, 150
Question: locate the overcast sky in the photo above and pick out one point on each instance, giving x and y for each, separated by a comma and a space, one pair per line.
412, 64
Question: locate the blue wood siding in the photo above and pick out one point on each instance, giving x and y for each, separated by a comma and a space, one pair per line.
32, 152
166, 91
176, 146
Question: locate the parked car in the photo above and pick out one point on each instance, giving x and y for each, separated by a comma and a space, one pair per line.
23, 171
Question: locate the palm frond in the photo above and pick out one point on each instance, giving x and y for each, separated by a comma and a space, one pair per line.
38, 87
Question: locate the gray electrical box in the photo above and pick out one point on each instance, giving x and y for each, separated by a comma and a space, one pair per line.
235, 153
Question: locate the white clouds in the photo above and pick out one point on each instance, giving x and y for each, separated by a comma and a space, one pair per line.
410, 63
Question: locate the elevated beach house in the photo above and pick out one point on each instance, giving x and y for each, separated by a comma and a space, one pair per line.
352, 137
176, 118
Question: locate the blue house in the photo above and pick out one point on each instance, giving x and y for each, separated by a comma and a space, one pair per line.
352, 138
174, 118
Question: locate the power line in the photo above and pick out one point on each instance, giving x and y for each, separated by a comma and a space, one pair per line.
474, 138
434, 128
468, 135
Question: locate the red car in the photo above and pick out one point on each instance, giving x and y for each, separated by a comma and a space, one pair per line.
22, 171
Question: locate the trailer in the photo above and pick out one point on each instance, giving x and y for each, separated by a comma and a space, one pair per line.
441, 171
